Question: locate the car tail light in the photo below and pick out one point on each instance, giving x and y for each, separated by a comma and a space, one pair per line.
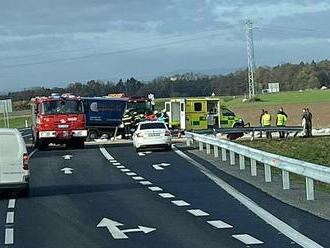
139, 135
167, 133
25, 161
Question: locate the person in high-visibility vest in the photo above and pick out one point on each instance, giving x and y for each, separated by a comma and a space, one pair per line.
281, 120
266, 121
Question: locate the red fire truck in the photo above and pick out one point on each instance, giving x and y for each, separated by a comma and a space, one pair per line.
58, 120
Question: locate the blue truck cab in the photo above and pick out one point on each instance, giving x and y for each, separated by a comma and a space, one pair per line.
103, 115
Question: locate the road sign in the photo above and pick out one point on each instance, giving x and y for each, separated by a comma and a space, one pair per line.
67, 170
160, 166
116, 233
6, 106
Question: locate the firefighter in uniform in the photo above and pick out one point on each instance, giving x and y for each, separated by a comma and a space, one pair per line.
266, 121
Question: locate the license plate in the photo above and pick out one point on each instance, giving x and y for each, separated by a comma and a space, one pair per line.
63, 126
154, 134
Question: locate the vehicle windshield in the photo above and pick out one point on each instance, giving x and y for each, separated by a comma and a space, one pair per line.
62, 107
139, 106
155, 125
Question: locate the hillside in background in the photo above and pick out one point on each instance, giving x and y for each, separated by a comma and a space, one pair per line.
290, 76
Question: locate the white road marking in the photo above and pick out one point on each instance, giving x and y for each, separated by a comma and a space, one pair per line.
138, 178
113, 227
166, 195
9, 236
117, 163
198, 212
145, 182
125, 170
155, 189
141, 154
106, 154
160, 166
67, 170
180, 203
278, 224
10, 218
11, 203
113, 161
131, 174
33, 152
247, 239
120, 167
219, 224
67, 157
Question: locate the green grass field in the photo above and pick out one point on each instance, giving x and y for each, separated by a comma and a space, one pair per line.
17, 121
314, 150
290, 97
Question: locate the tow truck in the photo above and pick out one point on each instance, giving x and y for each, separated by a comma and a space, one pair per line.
58, 119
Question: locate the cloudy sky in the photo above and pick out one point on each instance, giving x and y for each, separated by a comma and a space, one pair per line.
53, 42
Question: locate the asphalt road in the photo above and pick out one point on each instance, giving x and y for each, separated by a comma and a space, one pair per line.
113, 197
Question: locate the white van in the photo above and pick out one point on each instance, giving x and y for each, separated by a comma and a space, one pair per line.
14, 159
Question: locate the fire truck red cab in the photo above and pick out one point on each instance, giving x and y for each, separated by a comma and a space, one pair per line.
58, 120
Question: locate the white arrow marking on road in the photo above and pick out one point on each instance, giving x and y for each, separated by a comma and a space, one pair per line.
160, 166
67, 170
67, 157
116, 233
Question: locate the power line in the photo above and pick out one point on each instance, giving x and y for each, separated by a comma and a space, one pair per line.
71, 59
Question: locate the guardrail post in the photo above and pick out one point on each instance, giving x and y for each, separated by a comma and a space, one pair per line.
232, 158
241, 162
253, 167
216, 151
26, 124
223, 154
208, 148
268, 173
286, 179
309, 189
201, 146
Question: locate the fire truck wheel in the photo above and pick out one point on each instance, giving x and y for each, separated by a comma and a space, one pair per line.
78, 143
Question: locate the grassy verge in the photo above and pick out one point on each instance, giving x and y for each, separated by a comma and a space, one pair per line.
16, 121
314, 150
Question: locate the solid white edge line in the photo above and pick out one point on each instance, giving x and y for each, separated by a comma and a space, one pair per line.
10, 217
9, 236
106, 154
269, 218
11, 203
247, 239
33, 152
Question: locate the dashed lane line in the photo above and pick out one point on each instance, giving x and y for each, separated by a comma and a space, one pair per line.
197, 212
9, 236
269, 218
11, 203
120, 167
125, 170
145, 182
138, 178
247, 239
116, 163
155, 188
219, 224
166, 195
131, 174
10, 218
180, 203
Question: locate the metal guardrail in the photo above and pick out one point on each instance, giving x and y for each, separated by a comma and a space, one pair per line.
288, 165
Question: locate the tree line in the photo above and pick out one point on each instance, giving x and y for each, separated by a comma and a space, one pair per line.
289, 76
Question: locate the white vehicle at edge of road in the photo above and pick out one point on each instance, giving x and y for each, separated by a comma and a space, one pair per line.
152, 134
14, 159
